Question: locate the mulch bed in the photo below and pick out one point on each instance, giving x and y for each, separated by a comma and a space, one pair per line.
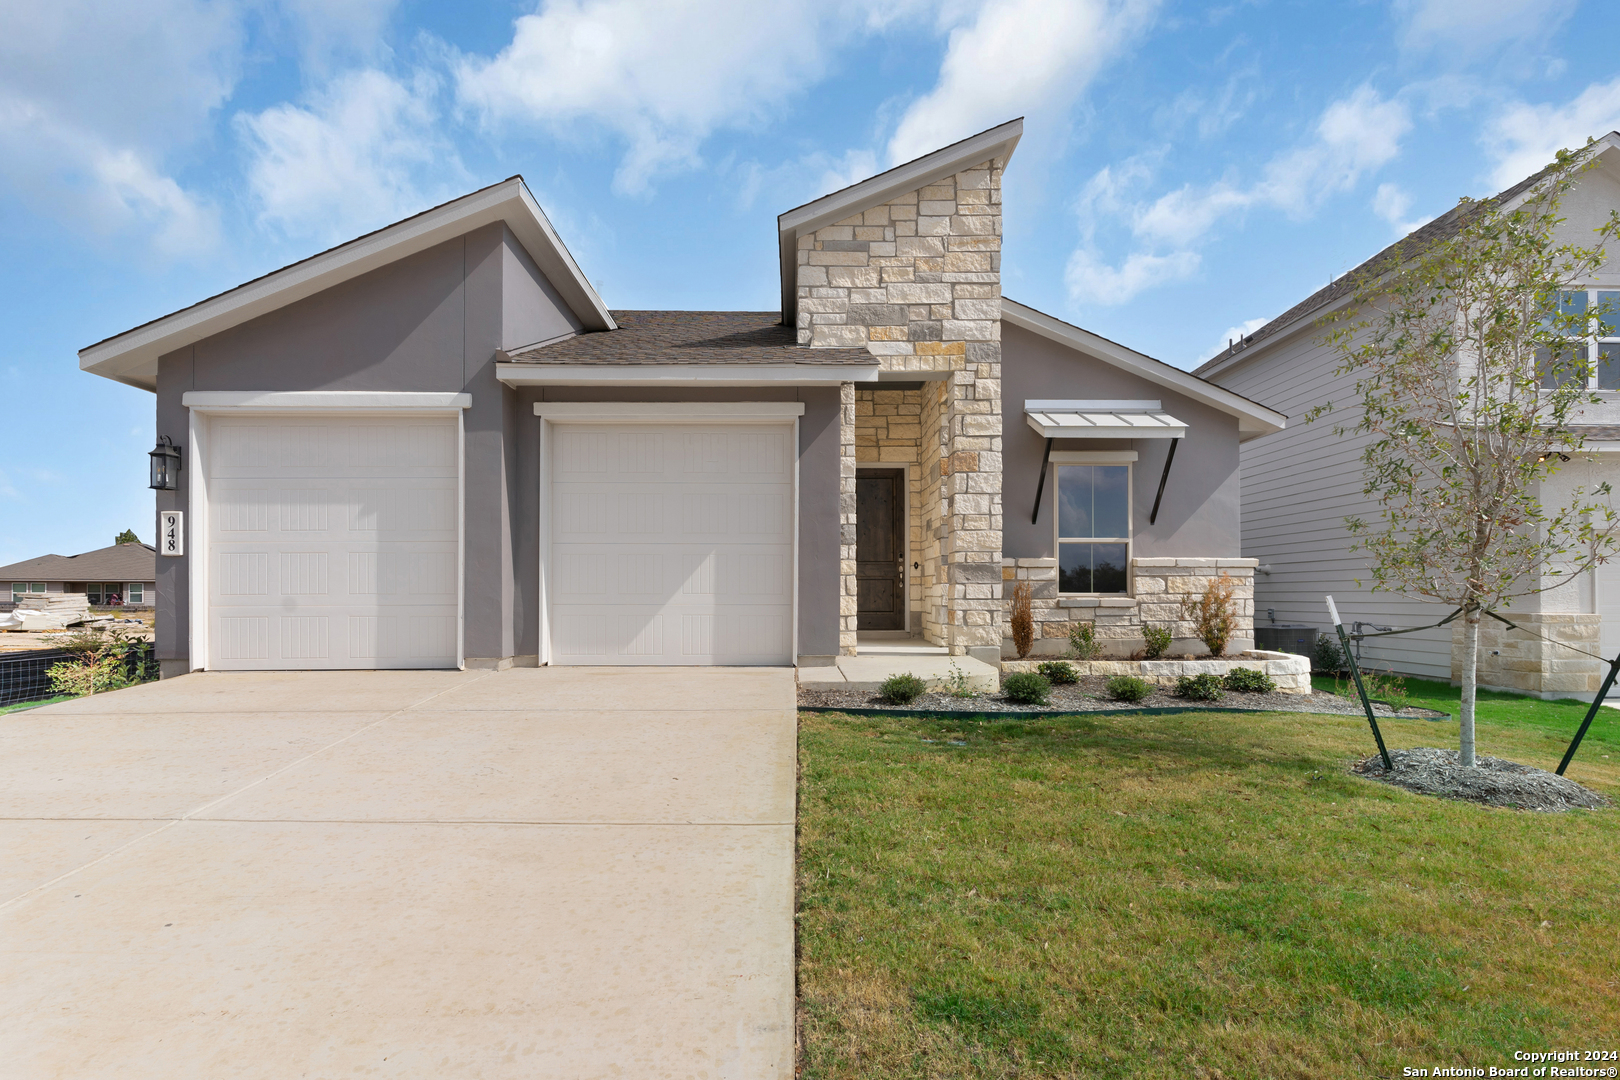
1090, 695
1493, 782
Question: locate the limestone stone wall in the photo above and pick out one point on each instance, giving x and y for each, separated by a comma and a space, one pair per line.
1524, 662
1291, 673
847, 599
917, 281
1157, 589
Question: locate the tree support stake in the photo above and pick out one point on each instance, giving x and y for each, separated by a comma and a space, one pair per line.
1355, 670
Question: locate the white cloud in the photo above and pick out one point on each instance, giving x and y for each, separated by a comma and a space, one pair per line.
660, 75
1353, 137
332, 30
1524, 138
1092, 281
1231, 334
1017, 57
94, 98
1469, 28
362, 153
1391, 202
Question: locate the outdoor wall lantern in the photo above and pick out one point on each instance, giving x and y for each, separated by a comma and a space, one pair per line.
165, 465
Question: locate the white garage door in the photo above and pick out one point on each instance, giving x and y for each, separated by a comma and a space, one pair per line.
671, 544
332, 542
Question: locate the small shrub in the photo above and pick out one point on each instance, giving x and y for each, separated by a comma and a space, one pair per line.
1083, 644
1059, 672
1158, 640
1388, 687
1329, 657
1026, 688
1213, 614
1128, 688
1023, 622
1249, 681
1205, 687
902, 689
957, 684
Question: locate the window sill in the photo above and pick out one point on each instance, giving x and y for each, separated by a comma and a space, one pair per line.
1080, 600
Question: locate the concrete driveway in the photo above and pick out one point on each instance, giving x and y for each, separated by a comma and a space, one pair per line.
532, 873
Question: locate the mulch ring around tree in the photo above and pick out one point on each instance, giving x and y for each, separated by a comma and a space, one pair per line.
1493, 781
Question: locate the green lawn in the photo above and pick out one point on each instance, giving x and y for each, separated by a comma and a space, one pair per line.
33, 704
1555, 718
1195, 894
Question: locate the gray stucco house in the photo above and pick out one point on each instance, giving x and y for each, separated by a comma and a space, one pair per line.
435, 446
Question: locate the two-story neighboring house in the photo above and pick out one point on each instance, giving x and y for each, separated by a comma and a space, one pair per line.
1299, 484
435, 446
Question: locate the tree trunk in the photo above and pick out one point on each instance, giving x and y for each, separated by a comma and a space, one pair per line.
1470, 678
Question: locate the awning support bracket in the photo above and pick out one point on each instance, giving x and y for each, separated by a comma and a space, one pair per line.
1168, 458
1040, 486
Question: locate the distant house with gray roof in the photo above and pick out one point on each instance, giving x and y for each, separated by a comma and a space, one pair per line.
121, 574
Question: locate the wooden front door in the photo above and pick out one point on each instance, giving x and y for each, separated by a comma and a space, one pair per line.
880, 549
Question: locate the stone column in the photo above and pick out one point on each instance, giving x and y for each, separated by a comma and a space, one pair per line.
846, 519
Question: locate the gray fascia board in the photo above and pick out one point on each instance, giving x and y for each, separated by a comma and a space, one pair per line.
1253, 418
131, 357
999, 141
585, 374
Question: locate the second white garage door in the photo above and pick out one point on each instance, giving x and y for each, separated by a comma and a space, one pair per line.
332, 542
671, 544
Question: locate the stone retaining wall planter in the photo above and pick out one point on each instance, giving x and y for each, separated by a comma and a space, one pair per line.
1292, 673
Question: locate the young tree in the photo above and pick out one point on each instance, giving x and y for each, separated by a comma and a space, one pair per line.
127, 537
1471, 365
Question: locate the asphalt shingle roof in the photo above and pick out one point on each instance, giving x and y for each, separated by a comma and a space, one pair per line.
121, 562
690, 337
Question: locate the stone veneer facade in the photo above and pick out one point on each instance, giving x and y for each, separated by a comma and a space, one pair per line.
1158, 587
1517, 661
917, 281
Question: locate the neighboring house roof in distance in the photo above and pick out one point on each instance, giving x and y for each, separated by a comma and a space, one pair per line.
688, 337
1340, 288
996, 142
131, 357
121, 562
1253, 418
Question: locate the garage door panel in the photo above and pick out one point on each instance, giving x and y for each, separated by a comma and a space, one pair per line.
350, 563
671, 545
319, 447
626, 454
642, 576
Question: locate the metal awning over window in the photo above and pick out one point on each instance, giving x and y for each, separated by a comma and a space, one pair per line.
1102, 420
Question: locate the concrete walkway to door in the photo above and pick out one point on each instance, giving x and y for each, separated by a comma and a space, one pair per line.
532, 873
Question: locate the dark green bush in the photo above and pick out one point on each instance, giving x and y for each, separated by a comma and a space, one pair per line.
1128, 688
1249, 681
1329, 657
1026, 688
1205, 687
902, 689
1059, 672
1157, 639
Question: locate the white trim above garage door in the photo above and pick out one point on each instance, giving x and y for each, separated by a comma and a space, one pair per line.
327, 530
669, 533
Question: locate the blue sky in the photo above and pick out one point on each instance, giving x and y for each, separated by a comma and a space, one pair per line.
1187, 170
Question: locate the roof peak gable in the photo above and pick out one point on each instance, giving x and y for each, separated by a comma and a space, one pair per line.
131, 356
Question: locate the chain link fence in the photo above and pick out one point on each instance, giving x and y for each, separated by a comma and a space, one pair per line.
25, 676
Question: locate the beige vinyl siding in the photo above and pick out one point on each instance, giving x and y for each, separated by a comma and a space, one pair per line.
1299, 484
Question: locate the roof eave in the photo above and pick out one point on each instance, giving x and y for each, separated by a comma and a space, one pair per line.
131, 357
997, 142
1253, 418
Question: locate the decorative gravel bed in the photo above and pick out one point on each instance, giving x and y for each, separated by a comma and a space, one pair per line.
1493, 781
1090, 695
